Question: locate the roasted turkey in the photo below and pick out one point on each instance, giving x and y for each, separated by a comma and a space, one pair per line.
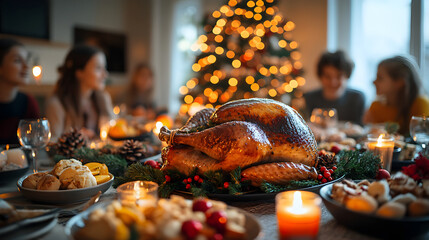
269, 140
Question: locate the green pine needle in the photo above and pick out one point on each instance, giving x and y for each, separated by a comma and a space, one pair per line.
357, 165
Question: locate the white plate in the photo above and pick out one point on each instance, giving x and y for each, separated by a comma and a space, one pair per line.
252, 226
63, 196
31, 231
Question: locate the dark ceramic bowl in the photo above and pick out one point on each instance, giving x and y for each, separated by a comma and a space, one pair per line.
370, 224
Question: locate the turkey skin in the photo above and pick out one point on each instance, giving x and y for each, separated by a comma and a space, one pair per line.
269, 140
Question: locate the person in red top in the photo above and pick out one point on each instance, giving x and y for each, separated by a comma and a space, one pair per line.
14, 105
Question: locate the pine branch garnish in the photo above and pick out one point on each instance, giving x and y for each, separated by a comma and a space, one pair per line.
236, 176
357, 165
274, 188
139, 172
198, 192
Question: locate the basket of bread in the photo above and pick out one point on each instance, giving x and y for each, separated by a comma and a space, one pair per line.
395, 207
69, 181
174, 218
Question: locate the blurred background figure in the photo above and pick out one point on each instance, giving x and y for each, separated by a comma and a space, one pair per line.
334, 70
398, 87
139, 93
79, 100
14, 105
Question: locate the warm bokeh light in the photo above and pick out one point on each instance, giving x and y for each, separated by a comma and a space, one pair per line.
293, 44
233, 82
250, 4
183, 90
211, 59
250, 80
219, 50
270, 11
191, 84
272, 92
221, 22
230, 54
236, 63
282, 43
254, 87
293, 83
216, 14
37, 71
188, 99
214, 79
219, 38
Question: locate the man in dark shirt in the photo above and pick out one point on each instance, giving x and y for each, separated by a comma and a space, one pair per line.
334, 70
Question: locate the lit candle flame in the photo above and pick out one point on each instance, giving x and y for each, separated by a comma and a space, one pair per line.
103, 135
92, 146
158, 127
137, 190
7, 146
116, 110
297, 204
380, 140
37, 73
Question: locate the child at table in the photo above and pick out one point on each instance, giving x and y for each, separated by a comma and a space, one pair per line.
14, 105
399, 87
334, 70
79, 100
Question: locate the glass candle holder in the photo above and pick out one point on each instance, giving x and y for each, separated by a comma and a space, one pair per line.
142, 194
298, 215
382, 145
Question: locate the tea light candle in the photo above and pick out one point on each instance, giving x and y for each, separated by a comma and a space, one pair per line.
298, 214
142, 194
382, 146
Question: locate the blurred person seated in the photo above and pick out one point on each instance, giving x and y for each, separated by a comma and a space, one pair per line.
399, 88
334, 70
79, 100
138, 96
14, 105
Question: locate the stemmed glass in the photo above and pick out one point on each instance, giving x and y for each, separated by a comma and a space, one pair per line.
34, 134
419, 130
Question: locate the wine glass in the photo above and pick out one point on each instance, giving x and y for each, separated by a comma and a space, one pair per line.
34, 134
419, 130
324, 117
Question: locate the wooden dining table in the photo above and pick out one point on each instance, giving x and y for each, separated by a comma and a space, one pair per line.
264, 211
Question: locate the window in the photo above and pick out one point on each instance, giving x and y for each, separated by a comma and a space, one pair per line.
372, 30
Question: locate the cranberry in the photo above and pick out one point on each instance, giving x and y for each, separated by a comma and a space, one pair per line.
189, 180
334, 168
335, 149
185, 181
200, 180
196, 178
201, 205
151, 163
167, 178
323, 169
191, 228
331, 171
188, 186
319, 176
225, 184
217, 220
329, 179
326, 174
324, 180
217, 236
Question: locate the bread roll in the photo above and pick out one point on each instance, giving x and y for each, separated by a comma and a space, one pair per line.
67, 176
64, 164
419, 208
32, 180
48, 182
362, 203
392, 210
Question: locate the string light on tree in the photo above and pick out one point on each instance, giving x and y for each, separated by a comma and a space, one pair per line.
247, 51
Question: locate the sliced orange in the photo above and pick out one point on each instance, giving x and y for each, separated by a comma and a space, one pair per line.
102, 178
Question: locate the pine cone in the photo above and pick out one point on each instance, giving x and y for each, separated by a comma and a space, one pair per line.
325, 160
70, 141
132, 151
109, 150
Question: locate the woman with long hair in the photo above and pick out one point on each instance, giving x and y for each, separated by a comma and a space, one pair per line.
79, 100
14, 105
399, 87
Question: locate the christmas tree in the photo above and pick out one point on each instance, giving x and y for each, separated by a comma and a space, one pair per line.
247, 51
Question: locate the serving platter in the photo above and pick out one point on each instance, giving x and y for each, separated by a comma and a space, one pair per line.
63, 196
260, 196
12, 175
388, 228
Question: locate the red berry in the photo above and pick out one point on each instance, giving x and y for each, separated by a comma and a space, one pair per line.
324, 180
217, 220
201, 205
191, 228
189, 180
217, 236
382, 174
151, 163
335, 149
334, 168
323, 169
185, 181
196, 178
188, 186
319, 176
200, 180
331, 171
329, 179
167, 178
225, 184
326, 174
